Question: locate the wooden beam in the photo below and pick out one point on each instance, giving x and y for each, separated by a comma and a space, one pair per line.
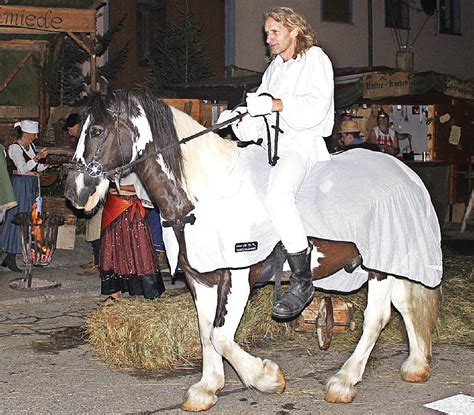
80, 43
15, 70
23, 44
43, 94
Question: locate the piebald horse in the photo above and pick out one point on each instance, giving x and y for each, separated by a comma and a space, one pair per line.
120, 127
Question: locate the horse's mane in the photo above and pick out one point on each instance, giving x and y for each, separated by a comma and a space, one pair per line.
193, 164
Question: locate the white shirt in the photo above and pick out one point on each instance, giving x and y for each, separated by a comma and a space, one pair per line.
15, 152
305, 85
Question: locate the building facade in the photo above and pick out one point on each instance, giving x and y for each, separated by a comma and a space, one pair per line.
439, 33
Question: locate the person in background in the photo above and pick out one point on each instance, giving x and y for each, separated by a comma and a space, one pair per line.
385, 137
299, 86
154, 223
333, 142
7, 196
127, 258
93, 237
73, 127
23, 152
350, 137
27, 164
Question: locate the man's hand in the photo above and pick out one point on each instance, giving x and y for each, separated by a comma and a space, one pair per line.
227, 115
259, 104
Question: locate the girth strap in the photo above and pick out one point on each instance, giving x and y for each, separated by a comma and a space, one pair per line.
180, 222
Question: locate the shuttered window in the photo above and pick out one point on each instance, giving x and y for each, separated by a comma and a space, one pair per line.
337, 10
450, 17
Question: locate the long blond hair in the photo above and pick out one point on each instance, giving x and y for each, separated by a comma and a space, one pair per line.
293, 20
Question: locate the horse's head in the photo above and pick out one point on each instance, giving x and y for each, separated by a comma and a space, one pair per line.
108, 140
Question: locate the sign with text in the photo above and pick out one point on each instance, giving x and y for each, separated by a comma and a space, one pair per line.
20, 19
385, 85
460, 89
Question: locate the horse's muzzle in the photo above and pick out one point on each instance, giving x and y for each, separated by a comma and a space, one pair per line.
76, 190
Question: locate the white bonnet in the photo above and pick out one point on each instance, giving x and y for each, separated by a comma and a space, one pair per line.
28, 126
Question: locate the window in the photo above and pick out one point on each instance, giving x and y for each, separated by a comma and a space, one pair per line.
151, 15
397, 14
450, 16
337, 10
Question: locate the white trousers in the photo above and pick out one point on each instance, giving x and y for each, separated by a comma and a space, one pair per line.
285, 180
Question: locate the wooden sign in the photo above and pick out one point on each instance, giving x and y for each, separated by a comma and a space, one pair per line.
386, 85
19, 19
460, 89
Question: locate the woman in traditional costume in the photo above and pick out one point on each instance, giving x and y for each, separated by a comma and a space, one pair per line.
127, 257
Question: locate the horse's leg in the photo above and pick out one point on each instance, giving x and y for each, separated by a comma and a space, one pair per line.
418, 306
340, 387
202, 395
263, 375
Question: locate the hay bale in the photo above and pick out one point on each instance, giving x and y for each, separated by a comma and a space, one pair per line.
163, 335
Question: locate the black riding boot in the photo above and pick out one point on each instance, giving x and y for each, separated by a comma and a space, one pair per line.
10, 262
301, 289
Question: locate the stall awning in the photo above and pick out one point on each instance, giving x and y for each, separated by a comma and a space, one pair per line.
380, 85
353, 85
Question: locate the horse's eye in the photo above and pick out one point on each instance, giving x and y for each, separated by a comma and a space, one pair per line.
95, 132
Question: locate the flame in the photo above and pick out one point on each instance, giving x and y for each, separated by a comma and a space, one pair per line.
40, 252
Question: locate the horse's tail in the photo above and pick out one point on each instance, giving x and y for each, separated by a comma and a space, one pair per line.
424, 312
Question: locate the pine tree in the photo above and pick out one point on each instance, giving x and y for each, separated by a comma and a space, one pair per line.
177, 56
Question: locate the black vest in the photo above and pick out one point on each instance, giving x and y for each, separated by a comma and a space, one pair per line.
11, 165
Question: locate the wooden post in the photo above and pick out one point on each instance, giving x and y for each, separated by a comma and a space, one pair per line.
93, 64
43, 110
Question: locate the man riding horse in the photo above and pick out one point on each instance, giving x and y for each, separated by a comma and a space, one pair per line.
299, 86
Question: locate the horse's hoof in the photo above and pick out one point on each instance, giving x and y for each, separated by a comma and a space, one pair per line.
281, 381
416, 377
415, 370
192, 408
199, 398
270, 380
337, 392
187, 406
334, 398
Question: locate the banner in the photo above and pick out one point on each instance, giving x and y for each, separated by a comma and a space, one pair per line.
460, 89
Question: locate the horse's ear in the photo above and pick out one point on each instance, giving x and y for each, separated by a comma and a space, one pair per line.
104, 88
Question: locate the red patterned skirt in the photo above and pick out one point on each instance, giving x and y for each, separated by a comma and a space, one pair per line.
127, 258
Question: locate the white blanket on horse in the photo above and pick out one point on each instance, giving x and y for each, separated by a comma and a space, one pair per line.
365, 197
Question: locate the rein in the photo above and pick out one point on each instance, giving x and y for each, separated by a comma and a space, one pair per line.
95, 169
272, 156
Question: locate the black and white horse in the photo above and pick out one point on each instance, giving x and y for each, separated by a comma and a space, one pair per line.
120, 127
